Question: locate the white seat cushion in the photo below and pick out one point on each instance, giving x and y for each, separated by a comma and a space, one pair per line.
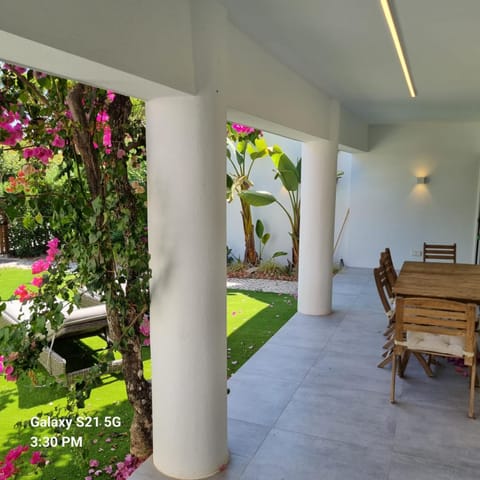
436, 343
80, 321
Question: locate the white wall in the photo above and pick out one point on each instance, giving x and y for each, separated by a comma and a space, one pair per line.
275, 220
342, 206
389, 209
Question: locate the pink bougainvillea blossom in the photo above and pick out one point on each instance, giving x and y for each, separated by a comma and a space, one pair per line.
52, 249
37, 282
23, 294
107, 136
14, 68
44, 154
110, 95
145, 330
102, 117
14, 453
58, 142
239, 128
36, 458
40, 266
12, 128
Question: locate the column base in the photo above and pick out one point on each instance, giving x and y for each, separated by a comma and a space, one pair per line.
147, 471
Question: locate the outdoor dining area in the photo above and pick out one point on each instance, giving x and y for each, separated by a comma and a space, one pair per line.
432, 311
312, 403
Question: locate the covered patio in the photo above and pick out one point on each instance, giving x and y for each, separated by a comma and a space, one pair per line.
312, 404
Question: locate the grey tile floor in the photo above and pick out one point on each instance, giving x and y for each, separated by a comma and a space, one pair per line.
312, 404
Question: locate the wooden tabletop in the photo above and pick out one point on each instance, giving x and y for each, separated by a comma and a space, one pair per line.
454, 281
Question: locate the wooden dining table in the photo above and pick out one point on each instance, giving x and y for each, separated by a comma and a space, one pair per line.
453, 281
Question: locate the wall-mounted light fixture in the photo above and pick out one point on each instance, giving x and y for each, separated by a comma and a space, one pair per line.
422, 180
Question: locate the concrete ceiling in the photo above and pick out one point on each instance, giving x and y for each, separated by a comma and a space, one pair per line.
344, 48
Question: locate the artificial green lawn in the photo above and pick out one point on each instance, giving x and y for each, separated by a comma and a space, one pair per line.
252, 318
11, 278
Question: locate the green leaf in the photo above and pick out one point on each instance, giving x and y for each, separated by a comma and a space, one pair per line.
299, 170
259, 228
279, 254
258, 199
241, 146
287, 171
265, 238
39, 218
240, 158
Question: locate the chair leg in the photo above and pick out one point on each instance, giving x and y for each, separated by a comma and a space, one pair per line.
403, 363
473, 376
424, 364
392, 384
386, 360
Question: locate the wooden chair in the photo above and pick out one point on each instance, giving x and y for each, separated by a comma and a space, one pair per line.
385, 293
436, 327
384, 289
387, 263
437, 252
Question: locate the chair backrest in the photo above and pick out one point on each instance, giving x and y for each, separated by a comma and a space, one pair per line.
387, 262
440, 252
384, 289
436, 318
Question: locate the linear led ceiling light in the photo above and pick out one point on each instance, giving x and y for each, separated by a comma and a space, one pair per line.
398, 46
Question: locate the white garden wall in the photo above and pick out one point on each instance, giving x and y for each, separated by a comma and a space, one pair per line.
388, 208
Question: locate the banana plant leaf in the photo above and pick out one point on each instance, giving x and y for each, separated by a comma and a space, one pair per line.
258, 199
286, 171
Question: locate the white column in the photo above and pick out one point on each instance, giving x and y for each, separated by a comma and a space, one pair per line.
317, 221
187, 238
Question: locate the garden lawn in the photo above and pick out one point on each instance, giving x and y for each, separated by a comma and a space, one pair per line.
252, 318
11, 278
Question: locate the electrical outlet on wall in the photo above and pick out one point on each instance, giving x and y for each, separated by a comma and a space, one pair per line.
416, 253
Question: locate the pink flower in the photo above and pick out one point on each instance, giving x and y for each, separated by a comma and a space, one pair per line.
8, 375
53, 243
36, 458
11, 131
102, 117
107, 136
23, 293
110, 95
2, 366
8, 470
37, 282
120, 153
14, 453
40, 266
94, 463
239, 128
44, 154
145, 326
58, 142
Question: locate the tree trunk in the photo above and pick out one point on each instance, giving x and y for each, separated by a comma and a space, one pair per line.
250, 257
139, 390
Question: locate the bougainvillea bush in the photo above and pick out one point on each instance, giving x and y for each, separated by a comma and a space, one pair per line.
97, 213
